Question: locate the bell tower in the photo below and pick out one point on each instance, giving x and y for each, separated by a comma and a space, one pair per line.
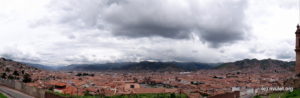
297, 50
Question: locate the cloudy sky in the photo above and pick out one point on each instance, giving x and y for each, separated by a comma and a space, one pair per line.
62, 32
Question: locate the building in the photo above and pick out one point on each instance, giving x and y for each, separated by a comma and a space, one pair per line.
59, 87
297, 50
235, 94
131, 86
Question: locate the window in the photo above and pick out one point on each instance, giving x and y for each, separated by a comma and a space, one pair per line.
131, 86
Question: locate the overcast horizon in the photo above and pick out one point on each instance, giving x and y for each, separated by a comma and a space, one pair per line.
56, 32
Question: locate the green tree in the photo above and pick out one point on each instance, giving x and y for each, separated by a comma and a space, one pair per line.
16, 73
3, 75
87, 93
27, 78
11, 77
22, 71
257, 96
78, 74
173, 95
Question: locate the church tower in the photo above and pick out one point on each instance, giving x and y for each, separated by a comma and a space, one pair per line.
297, 67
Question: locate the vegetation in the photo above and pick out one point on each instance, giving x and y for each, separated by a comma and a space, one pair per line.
16, 73
84, 74
11, 77
257, 96
3, 75
27, 78
23, 72
2, 96
294, 94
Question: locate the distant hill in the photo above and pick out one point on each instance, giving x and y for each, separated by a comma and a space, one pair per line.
246, 64
167, 66
13, 65
141, 66
40, 66
254, 64
13, 70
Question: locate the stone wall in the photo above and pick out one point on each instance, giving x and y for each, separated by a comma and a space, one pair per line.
50, 95
22, 87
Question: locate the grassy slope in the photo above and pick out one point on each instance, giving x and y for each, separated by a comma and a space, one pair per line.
2, 96
294, 94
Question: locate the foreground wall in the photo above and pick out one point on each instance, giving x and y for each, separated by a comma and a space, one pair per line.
17, 85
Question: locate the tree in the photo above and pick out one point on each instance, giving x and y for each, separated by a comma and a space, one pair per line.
3, 75
16, 73
7, 70
257, 96
87, 93
27, 78
173, 95
85, 74
78, 74
11, 77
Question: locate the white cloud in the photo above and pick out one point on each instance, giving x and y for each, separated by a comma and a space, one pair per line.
56, 32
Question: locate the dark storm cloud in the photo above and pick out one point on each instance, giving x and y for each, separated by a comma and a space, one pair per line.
149, 30
218, 36
216, 22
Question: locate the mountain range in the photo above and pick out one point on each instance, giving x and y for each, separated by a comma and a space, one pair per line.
246, 64
141, 66
254, 64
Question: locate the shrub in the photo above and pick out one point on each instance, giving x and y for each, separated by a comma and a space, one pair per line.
27, 78
3, 75
16, 73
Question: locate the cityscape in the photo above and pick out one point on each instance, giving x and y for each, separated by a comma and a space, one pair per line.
248, 82
150, 49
